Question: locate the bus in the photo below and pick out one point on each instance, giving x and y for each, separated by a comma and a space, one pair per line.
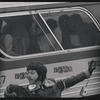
65, 36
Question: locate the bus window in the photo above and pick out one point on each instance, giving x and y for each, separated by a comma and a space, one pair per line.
77, 29
45, 39
15, 35
23, 35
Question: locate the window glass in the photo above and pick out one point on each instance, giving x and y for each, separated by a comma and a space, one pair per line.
73, 29
45, 39
22, 35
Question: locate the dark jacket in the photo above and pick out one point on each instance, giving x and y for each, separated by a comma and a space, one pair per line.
52, 88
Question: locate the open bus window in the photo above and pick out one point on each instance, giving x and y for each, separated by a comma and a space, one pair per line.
22, 35
76, 29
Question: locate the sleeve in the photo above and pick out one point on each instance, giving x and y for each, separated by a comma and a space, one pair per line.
68, 82
8, 92
13, 91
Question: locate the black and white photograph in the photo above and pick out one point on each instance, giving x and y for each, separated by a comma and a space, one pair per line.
49, 49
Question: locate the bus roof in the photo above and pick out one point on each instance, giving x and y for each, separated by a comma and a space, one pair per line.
23, 6
19, 4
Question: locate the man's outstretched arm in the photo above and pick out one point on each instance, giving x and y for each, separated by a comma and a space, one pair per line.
68, 82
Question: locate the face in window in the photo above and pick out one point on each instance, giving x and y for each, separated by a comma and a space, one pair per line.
75, 21
32, 76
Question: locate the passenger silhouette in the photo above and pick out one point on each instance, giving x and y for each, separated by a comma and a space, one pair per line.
80, 34
43, 42
75, 25
64, 26
55, 29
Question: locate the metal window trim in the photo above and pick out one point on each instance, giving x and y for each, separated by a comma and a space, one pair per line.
11, 14
20, 13
45, 11
87, 12
50, 31
44, 32
82, 9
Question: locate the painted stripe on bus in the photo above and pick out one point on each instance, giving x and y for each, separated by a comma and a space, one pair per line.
49, 59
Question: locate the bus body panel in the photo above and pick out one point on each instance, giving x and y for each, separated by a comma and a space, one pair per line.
58, 67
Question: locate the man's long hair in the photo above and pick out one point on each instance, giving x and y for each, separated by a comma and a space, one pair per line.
40, 69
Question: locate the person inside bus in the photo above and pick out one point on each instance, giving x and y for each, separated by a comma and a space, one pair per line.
8, 44
55, 29
64, 26
43, 42
80, 35
5, 39
94, 32
21, 35
1, 45
48, 87
34, 30
75, 22
18, 30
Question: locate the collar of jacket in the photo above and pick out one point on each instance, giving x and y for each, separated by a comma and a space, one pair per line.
46, 83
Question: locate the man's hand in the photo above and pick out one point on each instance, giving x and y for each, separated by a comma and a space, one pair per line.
92, 66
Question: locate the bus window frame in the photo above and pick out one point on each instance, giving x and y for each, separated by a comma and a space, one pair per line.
22, 13
51, 31
11, 14
45, 32
82, 9
87, 12
92, 17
